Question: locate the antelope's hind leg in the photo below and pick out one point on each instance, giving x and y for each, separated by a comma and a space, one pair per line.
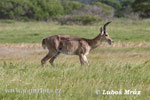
52, 60
43, 61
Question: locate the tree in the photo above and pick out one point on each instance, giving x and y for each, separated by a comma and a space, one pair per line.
126, 9
69, 6
114, 3
142, 7
30, 9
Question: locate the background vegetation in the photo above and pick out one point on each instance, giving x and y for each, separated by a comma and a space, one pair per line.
48, 10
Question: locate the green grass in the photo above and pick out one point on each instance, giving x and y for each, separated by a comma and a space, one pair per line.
110, 68
33, 32
76, 82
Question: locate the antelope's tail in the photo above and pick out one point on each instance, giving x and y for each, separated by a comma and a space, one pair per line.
44, 43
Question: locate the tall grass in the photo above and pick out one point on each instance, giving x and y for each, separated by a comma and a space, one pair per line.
76, 82
33, 32
110, 69
123, 66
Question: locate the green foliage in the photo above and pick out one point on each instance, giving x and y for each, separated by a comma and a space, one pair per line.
69, 6
142, 7
79, 19
44, 9
85, 1
115, 4
125, 3
11, 9
125, 9
86, 19
30, 9
102, 5
107, 9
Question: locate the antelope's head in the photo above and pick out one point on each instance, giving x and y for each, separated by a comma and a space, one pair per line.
104, 35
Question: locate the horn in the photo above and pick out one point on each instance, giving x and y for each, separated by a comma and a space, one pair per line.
101, 30
105, 26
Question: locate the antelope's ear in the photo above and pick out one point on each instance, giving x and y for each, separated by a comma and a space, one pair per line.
101, 30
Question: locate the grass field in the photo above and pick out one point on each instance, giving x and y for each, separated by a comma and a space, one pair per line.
33, 32
122, 66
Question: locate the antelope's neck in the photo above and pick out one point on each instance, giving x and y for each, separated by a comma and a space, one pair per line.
95, 42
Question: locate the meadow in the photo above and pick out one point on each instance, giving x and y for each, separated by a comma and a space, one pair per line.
125, 65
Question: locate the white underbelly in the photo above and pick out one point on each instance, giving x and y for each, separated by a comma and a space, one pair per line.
68, 53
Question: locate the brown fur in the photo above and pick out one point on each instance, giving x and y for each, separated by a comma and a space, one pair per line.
72, 45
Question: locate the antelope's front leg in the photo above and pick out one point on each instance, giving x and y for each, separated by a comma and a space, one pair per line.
85, 60
81, 59
52, 60
43, 61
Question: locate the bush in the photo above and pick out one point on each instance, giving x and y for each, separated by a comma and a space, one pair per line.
79, 19
113, 3
30, 9
94, 10
69, 6
142, 7
107, 9
86, 19
125, 10
89, 14
13, 9
45, 9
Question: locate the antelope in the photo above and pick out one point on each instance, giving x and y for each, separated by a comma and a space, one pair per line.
70, 45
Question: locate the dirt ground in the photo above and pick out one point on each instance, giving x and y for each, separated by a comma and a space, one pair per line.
35, 51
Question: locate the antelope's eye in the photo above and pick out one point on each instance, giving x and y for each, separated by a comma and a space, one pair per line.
106, 35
